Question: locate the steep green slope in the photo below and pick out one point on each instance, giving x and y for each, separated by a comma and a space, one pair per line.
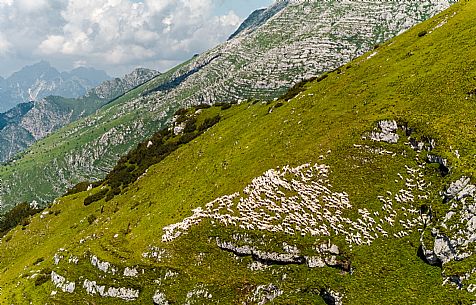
328, 214
304, 39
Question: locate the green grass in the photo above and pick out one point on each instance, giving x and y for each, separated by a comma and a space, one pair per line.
426, 89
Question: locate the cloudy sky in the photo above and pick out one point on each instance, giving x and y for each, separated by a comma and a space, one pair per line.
114, 35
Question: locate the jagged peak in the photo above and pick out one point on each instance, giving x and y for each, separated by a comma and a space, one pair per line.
259, 17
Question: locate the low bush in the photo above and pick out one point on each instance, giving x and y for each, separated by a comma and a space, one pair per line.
300, 87
209, 122
40, 279
190, 126
82, 187
95, 197
39, 260
226, 106
202, 106
91, 219
422, 33
43, 277
181, 111
20, 214
131, 166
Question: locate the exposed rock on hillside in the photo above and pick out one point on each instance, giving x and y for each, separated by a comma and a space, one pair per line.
111, 89
450, 240
29, 122
35, 82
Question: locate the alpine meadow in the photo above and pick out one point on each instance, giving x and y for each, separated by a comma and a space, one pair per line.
324, 154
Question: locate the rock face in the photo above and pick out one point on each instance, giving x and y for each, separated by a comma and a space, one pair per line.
32, 83
111, 89
387, 133
268, 257
29, 122
452, 238
126, 294
259, 17
61, 282
303, 39
460, 189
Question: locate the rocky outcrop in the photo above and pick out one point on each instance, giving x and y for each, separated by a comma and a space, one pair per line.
61, 283
460, 189
198, 295
159, 298
126, 294
452, 238
105, 267
443, 163
130, 272
267, 257
264, 294
326, 255
111, 89
387, 133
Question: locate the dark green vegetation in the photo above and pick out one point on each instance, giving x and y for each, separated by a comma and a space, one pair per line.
421, 82
131, 166
300, 87
19, 215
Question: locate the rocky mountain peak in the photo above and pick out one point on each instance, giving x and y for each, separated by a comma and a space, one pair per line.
259, 17
36, 81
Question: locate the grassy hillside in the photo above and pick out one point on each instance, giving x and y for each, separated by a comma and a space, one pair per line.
423, 80
306, 38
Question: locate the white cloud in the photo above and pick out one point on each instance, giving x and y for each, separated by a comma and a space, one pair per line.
111, 33
4, 45
52, 44
31, 5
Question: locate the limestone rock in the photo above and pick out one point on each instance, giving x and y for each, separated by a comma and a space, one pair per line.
131, 272
124, 293
61, 282
388, 132
460, 189
264, 294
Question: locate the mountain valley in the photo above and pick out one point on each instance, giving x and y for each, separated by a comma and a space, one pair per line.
27, 123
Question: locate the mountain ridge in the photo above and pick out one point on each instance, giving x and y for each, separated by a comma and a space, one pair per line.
39, 80
259, 17
27, 123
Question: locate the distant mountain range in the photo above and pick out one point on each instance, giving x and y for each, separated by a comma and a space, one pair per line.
32, 83
28, 122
